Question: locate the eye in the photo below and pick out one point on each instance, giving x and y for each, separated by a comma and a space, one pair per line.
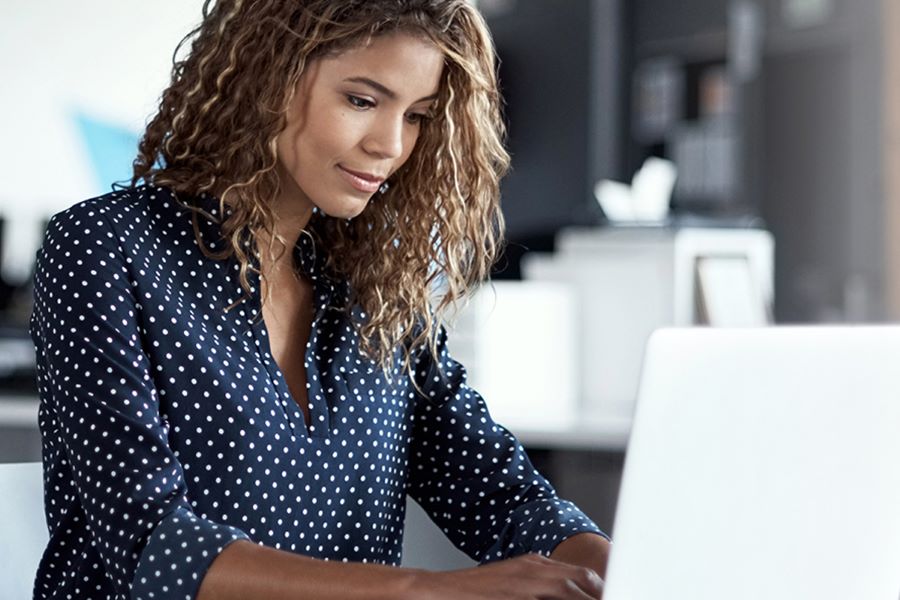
358, 102
418, 118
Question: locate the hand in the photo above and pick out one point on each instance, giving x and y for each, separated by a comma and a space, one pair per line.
527, 577
584, 550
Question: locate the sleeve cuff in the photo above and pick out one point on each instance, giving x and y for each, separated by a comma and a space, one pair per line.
542, 526
177, 555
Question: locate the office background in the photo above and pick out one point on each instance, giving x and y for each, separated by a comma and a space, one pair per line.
780, 115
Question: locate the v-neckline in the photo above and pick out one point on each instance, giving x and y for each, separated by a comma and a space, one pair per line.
297, 327
314, 397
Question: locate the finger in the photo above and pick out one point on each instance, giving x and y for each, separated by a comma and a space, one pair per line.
589, 581
585, 579
562, 589
546, 578
538, 574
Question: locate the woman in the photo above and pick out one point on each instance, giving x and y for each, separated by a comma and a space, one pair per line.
241, 372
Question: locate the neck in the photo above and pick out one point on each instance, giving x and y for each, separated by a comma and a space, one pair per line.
292, 212
291, 218
292, 208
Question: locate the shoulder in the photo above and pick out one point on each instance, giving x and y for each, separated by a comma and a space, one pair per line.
106, 225
117, 206
140, 213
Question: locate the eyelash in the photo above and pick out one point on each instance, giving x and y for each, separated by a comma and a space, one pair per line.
358, 102
364, 104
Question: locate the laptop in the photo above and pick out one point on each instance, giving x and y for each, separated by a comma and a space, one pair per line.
763, 464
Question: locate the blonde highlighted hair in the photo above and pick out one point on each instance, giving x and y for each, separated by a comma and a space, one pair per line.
438, 223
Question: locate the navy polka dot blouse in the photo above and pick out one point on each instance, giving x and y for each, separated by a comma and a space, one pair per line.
169, 432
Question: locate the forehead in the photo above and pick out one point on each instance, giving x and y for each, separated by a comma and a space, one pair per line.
410, 65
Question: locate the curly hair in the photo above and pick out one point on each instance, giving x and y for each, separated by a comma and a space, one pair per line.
438, 226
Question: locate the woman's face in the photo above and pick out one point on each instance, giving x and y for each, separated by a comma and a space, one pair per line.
354, 120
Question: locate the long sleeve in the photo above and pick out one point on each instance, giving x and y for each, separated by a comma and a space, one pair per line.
108, 437
473, 477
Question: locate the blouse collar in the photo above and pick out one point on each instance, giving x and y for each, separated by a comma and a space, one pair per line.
310, 257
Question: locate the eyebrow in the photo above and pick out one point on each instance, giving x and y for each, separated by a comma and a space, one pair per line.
383, 89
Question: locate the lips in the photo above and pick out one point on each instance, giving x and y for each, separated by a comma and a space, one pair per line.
360, 180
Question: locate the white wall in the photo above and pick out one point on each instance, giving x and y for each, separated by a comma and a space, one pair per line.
106, 59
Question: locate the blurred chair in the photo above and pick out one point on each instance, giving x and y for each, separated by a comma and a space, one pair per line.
23, 530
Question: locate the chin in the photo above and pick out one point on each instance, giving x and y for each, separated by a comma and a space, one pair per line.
346, 210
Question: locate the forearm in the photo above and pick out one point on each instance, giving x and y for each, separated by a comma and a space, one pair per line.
584, 550
247, 571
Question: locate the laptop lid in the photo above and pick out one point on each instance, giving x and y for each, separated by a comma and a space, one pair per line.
763, 463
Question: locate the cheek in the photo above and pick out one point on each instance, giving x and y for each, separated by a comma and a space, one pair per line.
409, 144
288, 149
329, 139
302, 154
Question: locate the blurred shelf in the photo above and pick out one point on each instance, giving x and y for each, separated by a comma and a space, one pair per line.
782, 42
703, 46
18, 411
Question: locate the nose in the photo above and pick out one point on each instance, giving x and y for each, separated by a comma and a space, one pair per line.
385, 139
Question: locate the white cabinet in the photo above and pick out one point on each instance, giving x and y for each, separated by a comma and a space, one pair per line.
517, 341
630, 281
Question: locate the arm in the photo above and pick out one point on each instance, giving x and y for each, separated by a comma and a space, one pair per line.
584, 550
246, 571
474, 478
110, 455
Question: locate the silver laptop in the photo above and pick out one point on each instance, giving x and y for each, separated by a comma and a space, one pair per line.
763, 464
